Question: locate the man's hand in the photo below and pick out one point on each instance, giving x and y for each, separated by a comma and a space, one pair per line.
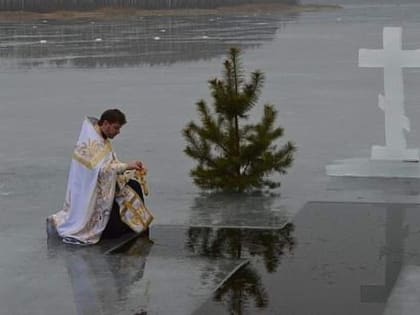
135, 165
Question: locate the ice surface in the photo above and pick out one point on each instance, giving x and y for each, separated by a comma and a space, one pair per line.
374, 168
404, 299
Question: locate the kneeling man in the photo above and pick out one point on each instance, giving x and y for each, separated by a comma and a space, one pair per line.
104, 196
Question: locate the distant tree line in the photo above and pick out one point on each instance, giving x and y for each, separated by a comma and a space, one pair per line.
52, 5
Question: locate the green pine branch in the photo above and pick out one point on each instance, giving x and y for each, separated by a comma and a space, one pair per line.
231, 154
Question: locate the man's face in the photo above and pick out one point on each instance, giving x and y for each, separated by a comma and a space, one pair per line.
110, 130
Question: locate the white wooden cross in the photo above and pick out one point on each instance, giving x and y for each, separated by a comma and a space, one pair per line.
392, 58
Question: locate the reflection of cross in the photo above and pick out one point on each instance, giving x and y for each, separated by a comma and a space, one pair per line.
392, 58
395, 234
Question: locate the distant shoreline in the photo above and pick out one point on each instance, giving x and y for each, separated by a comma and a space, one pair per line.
118, 13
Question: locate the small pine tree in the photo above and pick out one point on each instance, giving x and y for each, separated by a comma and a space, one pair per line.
233, 155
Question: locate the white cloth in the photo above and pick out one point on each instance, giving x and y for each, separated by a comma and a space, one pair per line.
90, 188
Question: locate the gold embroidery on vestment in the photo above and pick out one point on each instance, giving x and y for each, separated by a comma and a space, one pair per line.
91, 153
134, 212
141, 177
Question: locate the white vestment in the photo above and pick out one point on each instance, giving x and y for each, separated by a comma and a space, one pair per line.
91, 190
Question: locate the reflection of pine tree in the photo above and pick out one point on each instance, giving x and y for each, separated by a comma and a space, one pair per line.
242, 288
269, 244
245, 285
273, 246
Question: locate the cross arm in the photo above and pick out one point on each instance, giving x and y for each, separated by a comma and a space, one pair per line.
411, 58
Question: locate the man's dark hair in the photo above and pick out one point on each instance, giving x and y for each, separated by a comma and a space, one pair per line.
112, 116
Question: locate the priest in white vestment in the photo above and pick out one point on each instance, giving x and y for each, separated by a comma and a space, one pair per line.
104, 195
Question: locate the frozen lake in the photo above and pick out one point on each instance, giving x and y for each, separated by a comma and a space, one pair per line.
52, 74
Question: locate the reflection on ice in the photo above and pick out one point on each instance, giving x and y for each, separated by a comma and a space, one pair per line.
254, 210
392, 253
261, 246
345, 255
149, 40
135, 277
199, 261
